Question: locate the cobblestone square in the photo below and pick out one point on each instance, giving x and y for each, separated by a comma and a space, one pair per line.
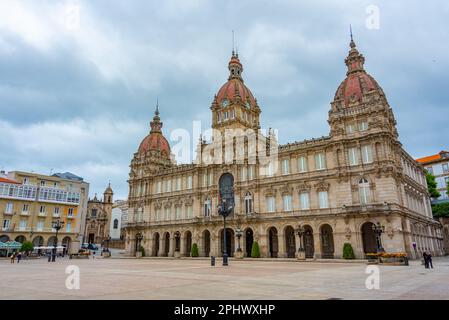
162, 278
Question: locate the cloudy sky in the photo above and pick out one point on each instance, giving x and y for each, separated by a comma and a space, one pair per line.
79, 79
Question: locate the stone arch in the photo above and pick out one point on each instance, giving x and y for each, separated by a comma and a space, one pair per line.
290, 241
156, 239
327, 241
248, 233
369, 240
309, 245
206, 237
177, 236
4, 238
51, 241
166, 248
273, 244
66, 243
187, 242
38, 241
230, 246
21, 238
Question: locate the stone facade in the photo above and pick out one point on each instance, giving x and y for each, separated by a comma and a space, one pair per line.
98, 220
336, 187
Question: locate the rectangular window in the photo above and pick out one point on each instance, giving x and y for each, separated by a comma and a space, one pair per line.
350, 128
25, 180
287, 199
285, 166
178, 184
429, 170
270, 169
25, 208
9, 207
302, 164
68, 227
363, 125
6, 224
204, 179
167, 213
40, 225
22, 225
70, 212
250, 172
189, 182
178, 212
320, 161
225, 115
353, 154
243, 173
42, 183
445, 167
158, 214
189, 212
211, 179
323, 199
367, 155
304, 201
56, 211
219, 117
159, 187
42, 209
271, 204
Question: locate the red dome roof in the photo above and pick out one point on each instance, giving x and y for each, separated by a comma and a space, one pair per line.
355, 86
357, 83
235, 87
155, 141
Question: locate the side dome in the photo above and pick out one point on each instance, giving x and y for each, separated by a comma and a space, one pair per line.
358, 83
234, 89
155, 140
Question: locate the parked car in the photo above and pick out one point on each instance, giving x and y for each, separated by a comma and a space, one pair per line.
92, 246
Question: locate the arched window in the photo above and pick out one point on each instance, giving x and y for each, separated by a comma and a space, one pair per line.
115, 223
207, 207
248, 203
364, 191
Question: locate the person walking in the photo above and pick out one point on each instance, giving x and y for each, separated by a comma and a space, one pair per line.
19, 256
13, 257
426, 260
429, 260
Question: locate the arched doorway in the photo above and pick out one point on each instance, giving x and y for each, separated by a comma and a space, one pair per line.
177, 241
188, 243
249, 239
38, 241
51, 241
156, 244
20, 239
308, 242
66, 243
167, 244
369, 238
206, 242
327, 242
229, 242
273, 242
4, 238
290, 242
226, 189
139, 238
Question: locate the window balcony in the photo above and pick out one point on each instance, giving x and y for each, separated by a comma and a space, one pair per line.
24, 213
56, 215
42, 214
70, 216
8, 213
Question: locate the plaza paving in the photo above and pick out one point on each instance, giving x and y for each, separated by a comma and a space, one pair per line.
196, 279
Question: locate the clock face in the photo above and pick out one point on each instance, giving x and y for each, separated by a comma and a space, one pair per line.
225, 103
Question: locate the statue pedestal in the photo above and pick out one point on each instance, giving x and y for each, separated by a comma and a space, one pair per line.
177, 254
301, 255
238, 254
74, 247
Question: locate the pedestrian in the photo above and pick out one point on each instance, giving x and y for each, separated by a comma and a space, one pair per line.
49, 256
13, 257
426, 261
19, 256
429, 260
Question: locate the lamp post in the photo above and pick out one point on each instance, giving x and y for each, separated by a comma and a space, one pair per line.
301, 252
378, 229
57, 225
224, 209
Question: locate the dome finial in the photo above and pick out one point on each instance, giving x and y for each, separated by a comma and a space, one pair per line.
157, 107
352, 43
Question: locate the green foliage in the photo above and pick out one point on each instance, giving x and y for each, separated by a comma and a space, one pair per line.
142, 250
447, 188
440, 210
194, 252
255, 251
432, 185
27, 246
348, 252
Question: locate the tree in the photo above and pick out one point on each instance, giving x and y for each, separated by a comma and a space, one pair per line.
142, 250
255, 251
194, 252
440, 210
27, 246
447, 187
348, 252
432, 185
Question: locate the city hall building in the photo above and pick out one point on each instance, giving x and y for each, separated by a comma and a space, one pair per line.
336, 188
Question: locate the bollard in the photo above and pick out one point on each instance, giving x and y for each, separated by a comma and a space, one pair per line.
212, 261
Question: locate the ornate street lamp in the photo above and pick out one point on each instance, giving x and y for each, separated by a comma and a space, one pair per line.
300, 231
224, 209
57, 225
378, 229
239, 233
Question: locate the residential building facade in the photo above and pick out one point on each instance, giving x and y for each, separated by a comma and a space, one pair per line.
31, 202
335, 187
438, 165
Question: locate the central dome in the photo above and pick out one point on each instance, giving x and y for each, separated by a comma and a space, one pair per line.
235, 89
155, 140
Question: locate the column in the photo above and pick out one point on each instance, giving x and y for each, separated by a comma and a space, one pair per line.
281, 246
317, 245
182, 243
150, 246
214, 245
172, 246
161, 246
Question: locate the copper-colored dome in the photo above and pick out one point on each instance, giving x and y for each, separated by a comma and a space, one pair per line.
235, 87
358, 82
155, 141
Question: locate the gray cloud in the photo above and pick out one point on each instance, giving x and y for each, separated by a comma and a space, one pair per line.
80, 99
